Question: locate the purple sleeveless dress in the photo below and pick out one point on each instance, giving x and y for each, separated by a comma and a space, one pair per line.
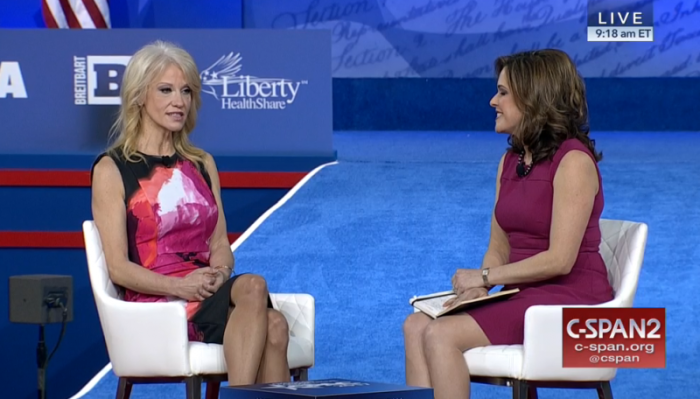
524, 212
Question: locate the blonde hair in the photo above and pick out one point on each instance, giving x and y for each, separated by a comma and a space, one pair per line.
144, 67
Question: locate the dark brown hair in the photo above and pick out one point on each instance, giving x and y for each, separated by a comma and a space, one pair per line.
551, 95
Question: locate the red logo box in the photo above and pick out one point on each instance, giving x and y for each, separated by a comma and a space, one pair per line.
614, 337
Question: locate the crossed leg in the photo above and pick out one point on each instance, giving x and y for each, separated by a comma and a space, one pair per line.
417, 373
256, 337
274, 366
435, 352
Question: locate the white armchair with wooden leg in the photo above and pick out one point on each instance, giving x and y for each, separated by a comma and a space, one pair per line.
538, 362
148, 342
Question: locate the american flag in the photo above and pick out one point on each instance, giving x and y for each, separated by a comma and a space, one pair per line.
76, 14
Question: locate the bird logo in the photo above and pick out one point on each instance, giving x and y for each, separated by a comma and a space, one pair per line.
223, 71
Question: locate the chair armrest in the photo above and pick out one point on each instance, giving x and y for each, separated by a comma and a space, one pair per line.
542, 346
145, 339
300, 312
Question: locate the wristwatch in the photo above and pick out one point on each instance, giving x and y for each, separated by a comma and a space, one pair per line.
485, 277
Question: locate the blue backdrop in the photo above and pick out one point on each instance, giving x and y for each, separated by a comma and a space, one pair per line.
453, 43
427, 38
461, 38
266, 92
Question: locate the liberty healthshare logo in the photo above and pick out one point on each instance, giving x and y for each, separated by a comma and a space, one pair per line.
234, 91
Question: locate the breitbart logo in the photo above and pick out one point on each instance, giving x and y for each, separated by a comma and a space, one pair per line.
97, 79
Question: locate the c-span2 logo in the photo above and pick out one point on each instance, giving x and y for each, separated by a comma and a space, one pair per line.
97, 81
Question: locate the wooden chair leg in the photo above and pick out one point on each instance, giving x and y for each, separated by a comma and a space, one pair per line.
213, 390
299, 374
604, 391
520, 389
124, 388
193, 386
531, 392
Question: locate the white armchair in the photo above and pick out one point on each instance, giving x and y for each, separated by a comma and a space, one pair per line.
538, 362
148, 343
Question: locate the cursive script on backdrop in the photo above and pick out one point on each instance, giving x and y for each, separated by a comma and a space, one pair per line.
462, 38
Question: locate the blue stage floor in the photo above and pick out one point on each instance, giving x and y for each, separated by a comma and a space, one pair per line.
400, 211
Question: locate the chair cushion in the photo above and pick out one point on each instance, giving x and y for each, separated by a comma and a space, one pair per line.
495, 361
209, 358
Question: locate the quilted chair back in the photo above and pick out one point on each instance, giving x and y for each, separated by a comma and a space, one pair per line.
622, 247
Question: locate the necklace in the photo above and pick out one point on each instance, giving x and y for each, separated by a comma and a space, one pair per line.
521, 169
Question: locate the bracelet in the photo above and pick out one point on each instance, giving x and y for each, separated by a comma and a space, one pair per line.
485, 277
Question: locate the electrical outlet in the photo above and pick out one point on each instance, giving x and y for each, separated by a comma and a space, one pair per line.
56, 299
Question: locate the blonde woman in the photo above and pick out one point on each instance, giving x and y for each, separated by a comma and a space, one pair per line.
156, 201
